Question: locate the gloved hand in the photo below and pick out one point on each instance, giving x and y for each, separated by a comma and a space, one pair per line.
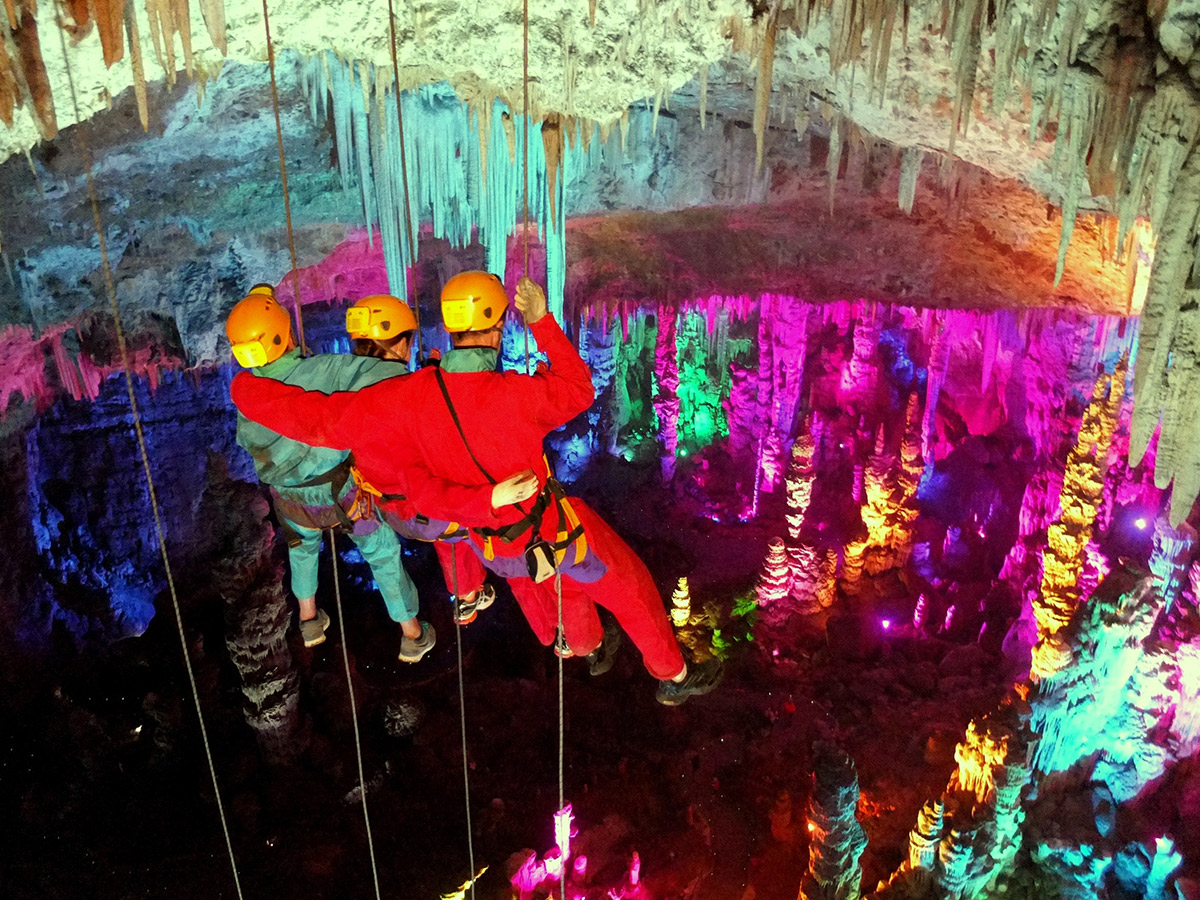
531, 300
514, 489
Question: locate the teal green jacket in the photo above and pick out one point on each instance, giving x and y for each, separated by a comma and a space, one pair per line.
284, 463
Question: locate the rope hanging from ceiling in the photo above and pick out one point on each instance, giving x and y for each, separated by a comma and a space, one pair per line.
412, 244
287, 205
123, 350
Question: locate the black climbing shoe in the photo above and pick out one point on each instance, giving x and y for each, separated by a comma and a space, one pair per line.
602, 658
700, 679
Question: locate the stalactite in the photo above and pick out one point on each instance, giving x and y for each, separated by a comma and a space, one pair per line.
762, 87
135, 64
183, 24
703, 95
162, 30
666, 388
10, 96
835, 156
965, 44
836, 839
910, 170
1082, 106
32, 70
213, 12
1167, 373
110, 19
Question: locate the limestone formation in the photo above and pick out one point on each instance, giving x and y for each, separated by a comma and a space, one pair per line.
836, 839
1068, 536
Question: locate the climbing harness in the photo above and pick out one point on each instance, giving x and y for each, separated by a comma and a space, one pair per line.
287, 204
412, 246
542, 557
141, 441
362, 782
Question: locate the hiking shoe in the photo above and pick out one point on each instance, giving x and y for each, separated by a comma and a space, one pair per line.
602, 658
700, 679
561, 648
313, 630
412, 649
468, 611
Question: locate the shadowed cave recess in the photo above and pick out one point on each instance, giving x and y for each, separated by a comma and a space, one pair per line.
890, 315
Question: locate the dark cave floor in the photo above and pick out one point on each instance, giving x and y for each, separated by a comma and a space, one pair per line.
106, 783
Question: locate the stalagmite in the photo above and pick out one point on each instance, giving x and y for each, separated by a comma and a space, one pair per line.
249, 579
1170, 559
774, 581
1068, 536
836, 839
798, 482
681, 604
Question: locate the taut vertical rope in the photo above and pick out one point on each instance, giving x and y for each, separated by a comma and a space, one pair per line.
141, 441
525, 159
562, 731
287, 204
412, 246
462, 706
362, 782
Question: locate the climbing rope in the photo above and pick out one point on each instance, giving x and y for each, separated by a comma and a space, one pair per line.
362, 782
412, 246
525, 159
141, 441
462, 709
562, 731
287, 204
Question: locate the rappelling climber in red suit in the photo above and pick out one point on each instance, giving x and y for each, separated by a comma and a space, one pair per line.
465, 422
381, 326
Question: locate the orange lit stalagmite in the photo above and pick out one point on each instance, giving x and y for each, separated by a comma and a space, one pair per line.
1068, 536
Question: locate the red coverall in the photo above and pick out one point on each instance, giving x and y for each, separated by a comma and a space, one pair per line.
506, 417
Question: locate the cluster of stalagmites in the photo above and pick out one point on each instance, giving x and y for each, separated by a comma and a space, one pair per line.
800, 574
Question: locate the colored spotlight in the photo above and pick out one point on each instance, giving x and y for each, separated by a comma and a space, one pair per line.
1140, 523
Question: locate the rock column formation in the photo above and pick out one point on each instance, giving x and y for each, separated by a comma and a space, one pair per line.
1068, 536
256, 614
836, 839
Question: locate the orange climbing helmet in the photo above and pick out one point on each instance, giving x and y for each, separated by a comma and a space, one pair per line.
379, 317
259, 329
473, 301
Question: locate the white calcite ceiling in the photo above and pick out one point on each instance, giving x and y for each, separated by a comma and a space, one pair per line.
595, 61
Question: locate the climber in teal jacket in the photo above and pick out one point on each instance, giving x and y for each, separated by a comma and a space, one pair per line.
311, 487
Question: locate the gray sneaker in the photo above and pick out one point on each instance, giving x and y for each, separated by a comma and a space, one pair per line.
700, 679
412, 649
467, 612
313, 630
